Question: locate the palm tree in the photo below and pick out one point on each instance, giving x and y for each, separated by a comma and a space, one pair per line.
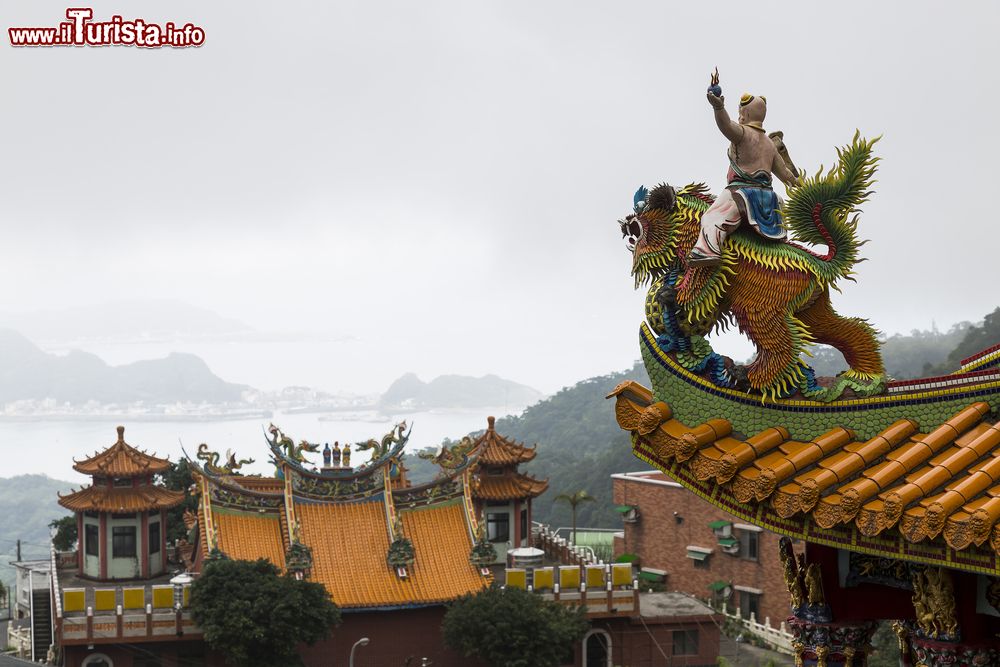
574, 499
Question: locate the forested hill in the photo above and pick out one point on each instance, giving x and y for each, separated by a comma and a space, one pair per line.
579, 446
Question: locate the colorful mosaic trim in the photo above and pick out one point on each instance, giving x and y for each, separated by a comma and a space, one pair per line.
844, 536
428, 494
804, 419
356, 488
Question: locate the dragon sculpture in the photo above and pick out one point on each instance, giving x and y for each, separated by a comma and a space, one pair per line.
292, 451
380, 448
777, 293
451, 457
230, 467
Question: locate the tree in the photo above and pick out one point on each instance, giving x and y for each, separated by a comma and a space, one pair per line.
574, 500
66, 533
255, 616
513, 628
178, 478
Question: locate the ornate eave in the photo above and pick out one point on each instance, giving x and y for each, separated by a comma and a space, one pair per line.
509, 486
496, 450
836, 488
129, 499
121, 460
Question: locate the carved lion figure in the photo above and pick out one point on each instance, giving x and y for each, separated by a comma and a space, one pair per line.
777, 293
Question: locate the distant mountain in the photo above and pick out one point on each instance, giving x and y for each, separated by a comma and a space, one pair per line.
456, 391
28, 373
153, 319
27, 504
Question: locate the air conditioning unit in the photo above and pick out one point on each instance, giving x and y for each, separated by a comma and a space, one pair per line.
729, 545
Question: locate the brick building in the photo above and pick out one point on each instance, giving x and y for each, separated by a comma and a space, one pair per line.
697, 548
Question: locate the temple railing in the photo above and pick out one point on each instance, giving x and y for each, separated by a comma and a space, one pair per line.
110, 614
604, 590
559, 548
779, 638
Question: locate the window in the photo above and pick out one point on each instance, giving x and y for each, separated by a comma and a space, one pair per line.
154, 538
749, 543
123, 481
749, 604
91, 540
498, 527
123, 542
702, 564
685, 642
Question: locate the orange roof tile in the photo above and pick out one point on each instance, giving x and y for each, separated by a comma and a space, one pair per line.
121, 499
121, 460
250, 535
494, 449
350, 542
510, 486
918, 486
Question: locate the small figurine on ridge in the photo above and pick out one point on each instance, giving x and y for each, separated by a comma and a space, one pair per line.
753, 157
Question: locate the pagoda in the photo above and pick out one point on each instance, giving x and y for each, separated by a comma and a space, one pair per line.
121, 517
502, 492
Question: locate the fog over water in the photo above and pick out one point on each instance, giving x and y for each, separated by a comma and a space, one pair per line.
435, 185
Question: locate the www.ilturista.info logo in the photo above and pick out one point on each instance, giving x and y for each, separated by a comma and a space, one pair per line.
80, 30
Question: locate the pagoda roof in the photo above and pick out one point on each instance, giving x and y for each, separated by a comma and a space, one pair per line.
496, 450
121, 499
121, 460
930, 495
510, 486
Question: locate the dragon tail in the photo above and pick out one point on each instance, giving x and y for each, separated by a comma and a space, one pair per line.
823, 209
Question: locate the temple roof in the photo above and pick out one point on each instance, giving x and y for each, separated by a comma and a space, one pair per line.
251, 535
931, 495
509, 486
496, 450
121, 499
347, 520
121, 460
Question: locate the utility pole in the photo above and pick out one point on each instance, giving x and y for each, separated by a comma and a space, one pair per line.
19, 550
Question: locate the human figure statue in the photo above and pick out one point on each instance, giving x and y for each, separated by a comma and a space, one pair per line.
346, 455
753, 157
336, 454
327, 455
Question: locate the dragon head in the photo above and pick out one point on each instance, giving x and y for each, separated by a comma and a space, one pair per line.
653, 233
307, 446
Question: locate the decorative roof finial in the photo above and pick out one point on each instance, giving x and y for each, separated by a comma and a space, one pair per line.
491, 421
121, 434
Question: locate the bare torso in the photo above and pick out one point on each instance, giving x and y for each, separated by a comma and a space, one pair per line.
754, 152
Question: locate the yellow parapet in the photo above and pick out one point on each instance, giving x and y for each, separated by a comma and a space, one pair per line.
74, 600
595, 576
134, 598
543, 579
105, 599
621, 574
517, 578
163, 597
569, 578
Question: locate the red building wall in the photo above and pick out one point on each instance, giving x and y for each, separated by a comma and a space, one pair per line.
672, 518
636, 644
393, 637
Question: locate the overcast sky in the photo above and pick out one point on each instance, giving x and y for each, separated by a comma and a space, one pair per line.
445, 177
